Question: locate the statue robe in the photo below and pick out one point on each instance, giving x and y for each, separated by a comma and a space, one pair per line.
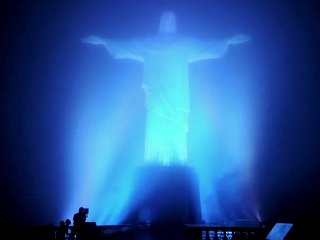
165, 61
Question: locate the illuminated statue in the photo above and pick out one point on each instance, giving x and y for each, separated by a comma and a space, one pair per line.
165, 58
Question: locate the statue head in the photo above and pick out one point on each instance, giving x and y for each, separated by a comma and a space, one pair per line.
167, 22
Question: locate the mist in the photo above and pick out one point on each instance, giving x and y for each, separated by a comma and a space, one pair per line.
73, 118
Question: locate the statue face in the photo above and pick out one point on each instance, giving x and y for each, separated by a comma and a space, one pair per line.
167, 22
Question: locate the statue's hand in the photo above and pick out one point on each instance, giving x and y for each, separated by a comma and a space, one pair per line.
93, 40
238, 39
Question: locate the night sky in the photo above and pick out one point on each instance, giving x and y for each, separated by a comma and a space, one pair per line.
42, 55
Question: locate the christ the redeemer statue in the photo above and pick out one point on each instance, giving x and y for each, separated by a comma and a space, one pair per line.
165, 59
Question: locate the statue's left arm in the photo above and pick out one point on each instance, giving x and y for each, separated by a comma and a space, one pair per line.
212, 49
238, 39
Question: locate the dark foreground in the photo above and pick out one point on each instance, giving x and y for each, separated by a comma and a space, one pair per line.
144, 231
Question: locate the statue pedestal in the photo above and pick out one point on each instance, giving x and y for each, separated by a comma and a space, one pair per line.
165, 194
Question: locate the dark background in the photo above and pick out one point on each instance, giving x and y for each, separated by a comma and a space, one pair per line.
40, 55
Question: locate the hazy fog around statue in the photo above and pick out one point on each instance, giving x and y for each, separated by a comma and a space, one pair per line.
165, 58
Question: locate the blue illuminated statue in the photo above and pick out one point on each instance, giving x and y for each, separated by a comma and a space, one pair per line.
165, 58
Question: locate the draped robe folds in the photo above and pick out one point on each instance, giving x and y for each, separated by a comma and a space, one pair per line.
165, 61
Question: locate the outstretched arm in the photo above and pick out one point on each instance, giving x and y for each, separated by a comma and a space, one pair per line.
238, 39
127, 49
94, 40
215, 49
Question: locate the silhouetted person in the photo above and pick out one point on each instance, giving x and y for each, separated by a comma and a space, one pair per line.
79, 219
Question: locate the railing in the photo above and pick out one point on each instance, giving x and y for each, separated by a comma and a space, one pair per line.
146, 231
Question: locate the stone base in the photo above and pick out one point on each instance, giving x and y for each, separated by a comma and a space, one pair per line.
165, 194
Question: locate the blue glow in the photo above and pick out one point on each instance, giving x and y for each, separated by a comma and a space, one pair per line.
100, 126
222, 139
220, 128
73, 117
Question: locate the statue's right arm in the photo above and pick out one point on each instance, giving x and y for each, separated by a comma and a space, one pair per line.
117, 49
94, 40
